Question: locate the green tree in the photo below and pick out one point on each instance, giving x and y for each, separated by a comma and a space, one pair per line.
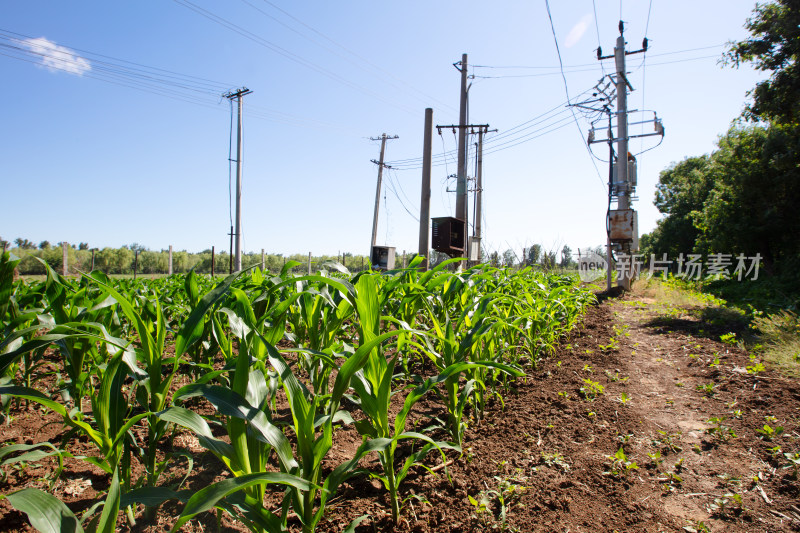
534, 253
774, 47
681, 193
508, 258
753, 205
25, 244
566, 257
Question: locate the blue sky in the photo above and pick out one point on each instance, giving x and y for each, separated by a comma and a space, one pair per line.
123, 135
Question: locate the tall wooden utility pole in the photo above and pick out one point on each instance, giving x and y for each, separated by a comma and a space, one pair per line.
425, 195
461, 177
238, 232
383, 138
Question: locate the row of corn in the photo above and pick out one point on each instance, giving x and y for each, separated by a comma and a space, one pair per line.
351, 346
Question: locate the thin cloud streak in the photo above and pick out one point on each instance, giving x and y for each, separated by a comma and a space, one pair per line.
577, 31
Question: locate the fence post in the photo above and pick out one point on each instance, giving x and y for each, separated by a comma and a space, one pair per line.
263, 260
170, 260
64, 265
212, 261
404, 258
309, 263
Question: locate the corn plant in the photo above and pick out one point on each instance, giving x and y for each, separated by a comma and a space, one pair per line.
111, 413
455, 344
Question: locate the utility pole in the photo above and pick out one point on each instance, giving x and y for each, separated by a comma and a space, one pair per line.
461, 181
623, 194
479, 192
620, 223
425, 195
383, 138
238, 96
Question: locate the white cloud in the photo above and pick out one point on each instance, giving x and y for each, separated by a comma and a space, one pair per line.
577, 31
55, 58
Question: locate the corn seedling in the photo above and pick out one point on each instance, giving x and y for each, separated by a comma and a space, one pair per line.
794, 462
707, 389
620, 465
591, 389
768, 432
719, 431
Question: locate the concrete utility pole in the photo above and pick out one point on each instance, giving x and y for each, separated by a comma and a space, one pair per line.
623, 185
479, 192
425, 195
461, 182
623, 195
238, 96
64, 258
383, 138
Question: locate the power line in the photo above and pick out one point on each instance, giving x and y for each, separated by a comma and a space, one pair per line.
597, 28
553, 67
576, 70
374, 70
288, 54
513, 131
390, 186
148, 79
566, 90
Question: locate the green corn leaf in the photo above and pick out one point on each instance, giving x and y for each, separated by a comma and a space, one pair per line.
108, 518
7, 264
153, 496
46, 513
230, 403
193, 421
36, 396
31, 453
208, 497
192, 329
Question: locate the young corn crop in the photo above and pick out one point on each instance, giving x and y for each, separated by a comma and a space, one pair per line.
336, 350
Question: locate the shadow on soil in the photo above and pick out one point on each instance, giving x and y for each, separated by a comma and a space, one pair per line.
709, 323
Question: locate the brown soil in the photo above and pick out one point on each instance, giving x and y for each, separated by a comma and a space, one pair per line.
548, 447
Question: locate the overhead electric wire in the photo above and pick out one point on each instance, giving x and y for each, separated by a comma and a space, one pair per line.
291, 56
513, 131
567, 67
597, 28
566, 90
374, 70
173, 85
390, 185
144, 68
509, 143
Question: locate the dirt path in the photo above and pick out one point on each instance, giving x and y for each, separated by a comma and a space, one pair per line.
641, 376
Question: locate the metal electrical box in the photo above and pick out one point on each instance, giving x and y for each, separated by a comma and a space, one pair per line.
474, 249
623, 226
382, 257
631, 174
448, 236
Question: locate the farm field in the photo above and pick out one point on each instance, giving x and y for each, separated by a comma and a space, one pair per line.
488, 400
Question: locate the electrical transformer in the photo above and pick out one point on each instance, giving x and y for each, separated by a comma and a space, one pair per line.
448, 236
382, 257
